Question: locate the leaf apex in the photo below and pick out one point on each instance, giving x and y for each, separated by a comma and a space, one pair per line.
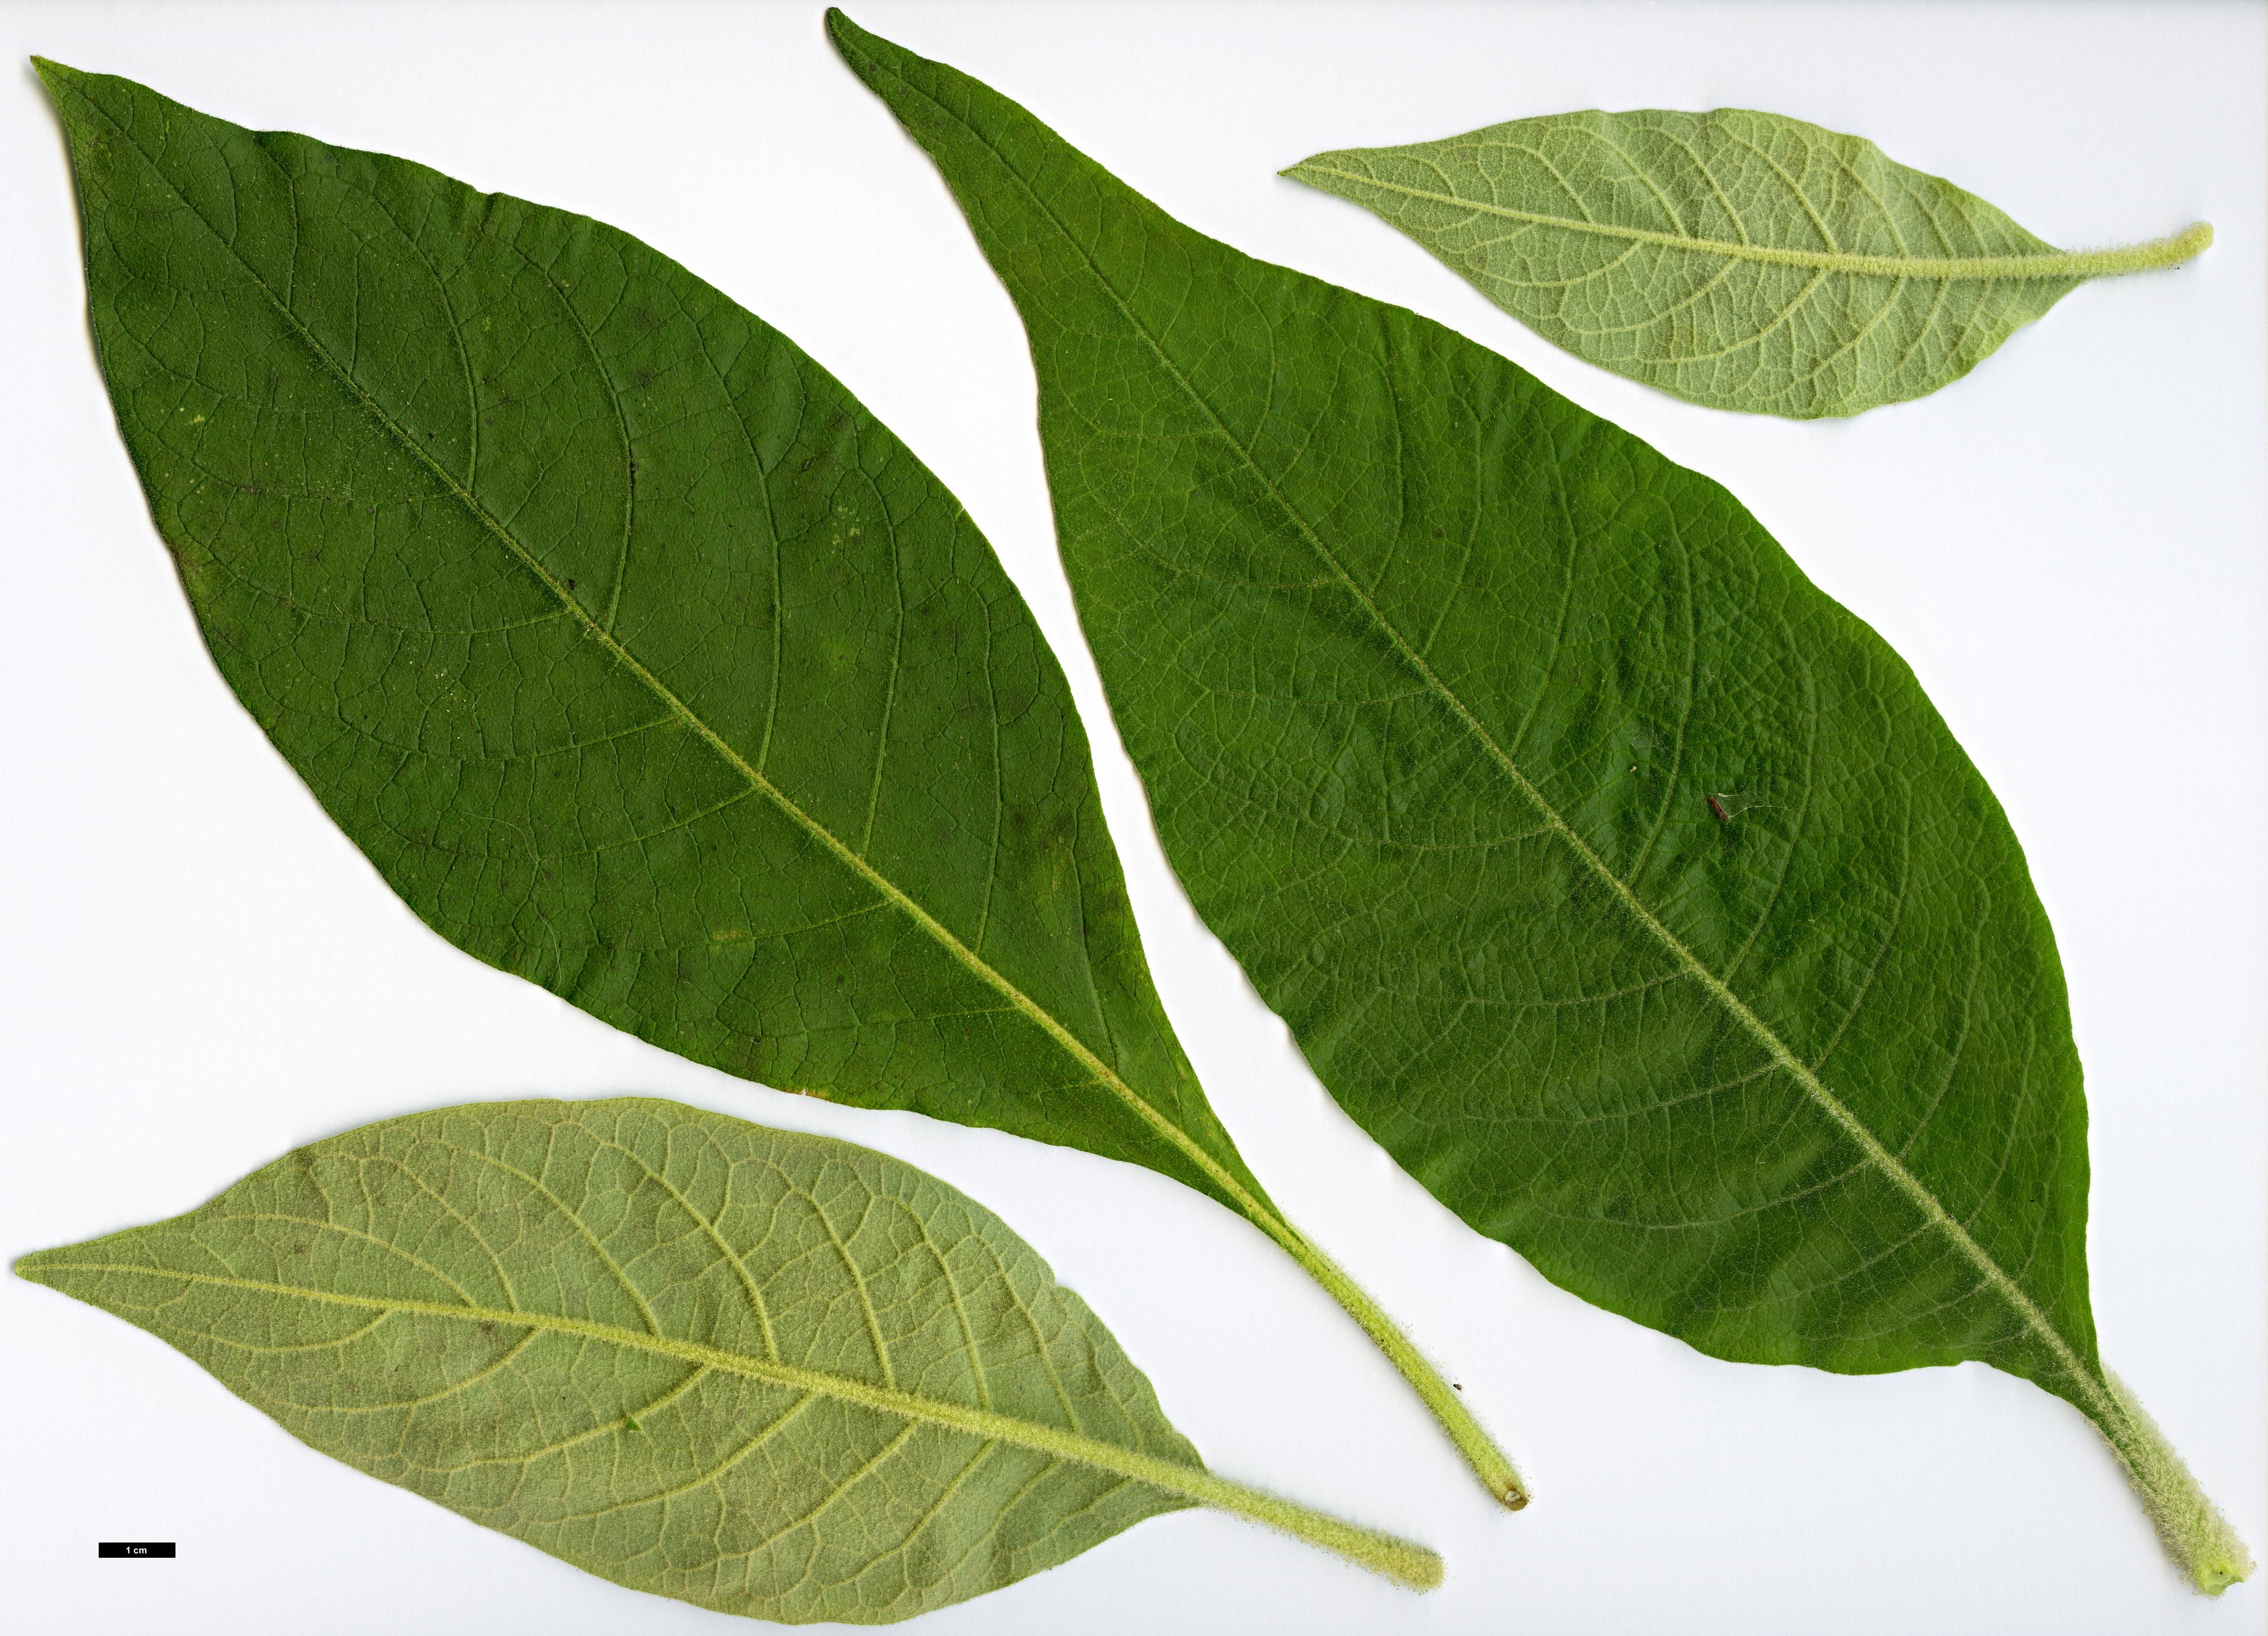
854, 45
1309, 173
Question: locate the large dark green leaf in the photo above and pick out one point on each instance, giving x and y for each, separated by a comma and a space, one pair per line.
1744, 261
1622, 885
641, 660
768, 1373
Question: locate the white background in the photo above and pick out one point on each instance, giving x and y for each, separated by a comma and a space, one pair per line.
198, 972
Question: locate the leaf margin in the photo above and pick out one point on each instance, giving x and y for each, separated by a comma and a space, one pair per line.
1353, 174
1410, 1566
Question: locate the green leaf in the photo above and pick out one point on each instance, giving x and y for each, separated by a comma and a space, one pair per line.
1739, 260
768, 1373
639, 658
1431, 677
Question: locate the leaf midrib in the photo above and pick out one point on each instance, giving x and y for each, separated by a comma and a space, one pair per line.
1933, 1212
2060, 264
967, 957
1193, 1483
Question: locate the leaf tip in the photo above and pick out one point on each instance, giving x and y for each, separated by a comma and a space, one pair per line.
1316, 171
854, 43
842, 30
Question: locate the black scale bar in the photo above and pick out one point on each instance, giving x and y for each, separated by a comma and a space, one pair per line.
134, 1548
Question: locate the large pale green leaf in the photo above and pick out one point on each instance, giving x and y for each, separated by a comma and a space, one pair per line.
1622, 885
640, 659
1740, 260
768, 1373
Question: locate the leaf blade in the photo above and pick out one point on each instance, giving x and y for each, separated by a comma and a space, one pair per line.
838, 833
1623, 886
900, 1353
1735, 259
637, 657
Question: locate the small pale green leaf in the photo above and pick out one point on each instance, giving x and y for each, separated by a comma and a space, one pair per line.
768, 1373
1626, 888
1739, 260
638, 657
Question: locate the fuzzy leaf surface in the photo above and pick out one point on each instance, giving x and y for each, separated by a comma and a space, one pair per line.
1739, 260
697, 1357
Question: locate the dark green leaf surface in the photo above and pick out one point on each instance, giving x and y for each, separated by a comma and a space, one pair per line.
1628, 890
1741, 260
641, 660
768, 1373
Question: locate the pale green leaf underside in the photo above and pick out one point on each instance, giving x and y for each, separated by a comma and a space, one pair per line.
638, 657
1626, 887
768, 1373
1740, 260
